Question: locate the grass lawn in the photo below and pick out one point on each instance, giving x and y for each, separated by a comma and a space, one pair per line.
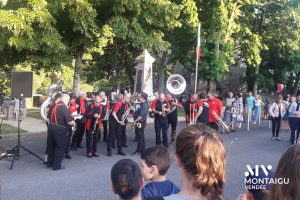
34, 113
8, 129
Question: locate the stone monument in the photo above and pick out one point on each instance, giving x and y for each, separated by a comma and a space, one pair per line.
144, 77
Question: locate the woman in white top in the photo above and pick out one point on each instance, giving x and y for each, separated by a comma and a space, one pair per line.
277, 110
229, 100
200, 156
257, 108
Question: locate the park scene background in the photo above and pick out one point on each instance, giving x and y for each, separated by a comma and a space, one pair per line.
92, 45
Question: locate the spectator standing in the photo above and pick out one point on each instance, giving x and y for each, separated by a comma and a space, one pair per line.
249, 105
234, 113
288, 168
257, 109
127, 180
266, 109
200, 156
230, 99
294, 117
155, 162
276, 111
284, 121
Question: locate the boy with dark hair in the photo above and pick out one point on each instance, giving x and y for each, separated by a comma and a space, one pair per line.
155, 162
127, 180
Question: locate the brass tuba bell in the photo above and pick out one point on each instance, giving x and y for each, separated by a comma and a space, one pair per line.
176, 84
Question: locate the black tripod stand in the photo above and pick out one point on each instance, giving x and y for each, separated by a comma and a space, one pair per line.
15, 152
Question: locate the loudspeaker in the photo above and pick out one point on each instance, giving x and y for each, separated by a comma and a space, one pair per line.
21, 84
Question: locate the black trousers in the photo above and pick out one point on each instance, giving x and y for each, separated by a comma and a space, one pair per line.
213, 125
69, 137
78, 135
104, 124
140, 137
57, 143
276, 121
173, 120
91, 141
114, 133
161, 125
124, 136
295, 128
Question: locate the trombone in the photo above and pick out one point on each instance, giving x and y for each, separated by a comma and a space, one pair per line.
193, 118
220, 123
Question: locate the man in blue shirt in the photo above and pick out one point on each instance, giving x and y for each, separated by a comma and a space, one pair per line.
140, 119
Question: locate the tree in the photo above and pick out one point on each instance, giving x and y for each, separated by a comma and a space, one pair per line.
28, 34
81, 31
137, 25
269, 36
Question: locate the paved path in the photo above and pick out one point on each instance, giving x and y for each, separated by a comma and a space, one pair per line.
33, 125
86, 178
29, 124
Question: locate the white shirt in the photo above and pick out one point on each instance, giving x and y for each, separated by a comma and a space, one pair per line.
229, 102
275, 109
258, 102
293, 110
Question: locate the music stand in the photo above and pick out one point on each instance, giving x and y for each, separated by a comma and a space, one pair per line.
16, 150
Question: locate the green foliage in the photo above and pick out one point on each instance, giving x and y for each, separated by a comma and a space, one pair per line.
104, 37
28, 30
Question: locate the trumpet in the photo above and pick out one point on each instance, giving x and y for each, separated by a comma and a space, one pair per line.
220, 123
138, 125
126, 114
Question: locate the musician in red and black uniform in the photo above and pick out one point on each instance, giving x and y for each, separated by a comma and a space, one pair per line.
73, 111
116, 123
173, 114
81, 103
160, 107
105, 111
93, 124
191, 108
203, 109
60, 118
55, 99
215, 105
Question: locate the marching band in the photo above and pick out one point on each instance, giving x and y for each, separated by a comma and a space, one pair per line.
89, 118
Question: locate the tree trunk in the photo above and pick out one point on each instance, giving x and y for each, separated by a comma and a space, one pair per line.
255, 84
161, 72
129, 73
54, 77
212, 86
77, 70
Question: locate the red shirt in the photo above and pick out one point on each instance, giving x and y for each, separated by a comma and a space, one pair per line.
200, 103
73, 107
119, 105
215, 105
153, 105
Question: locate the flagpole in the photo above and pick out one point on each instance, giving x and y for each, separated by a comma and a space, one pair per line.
198, 56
